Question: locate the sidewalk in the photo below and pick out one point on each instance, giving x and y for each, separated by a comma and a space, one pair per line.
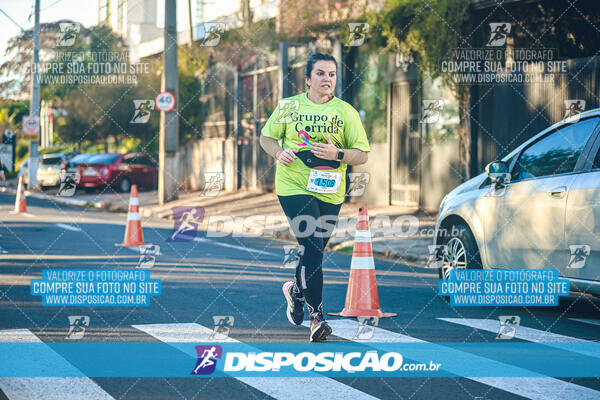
397, 232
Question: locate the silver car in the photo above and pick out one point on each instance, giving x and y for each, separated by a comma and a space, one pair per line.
48, 172
538, 207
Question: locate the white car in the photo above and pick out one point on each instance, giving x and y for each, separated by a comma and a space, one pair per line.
537, 208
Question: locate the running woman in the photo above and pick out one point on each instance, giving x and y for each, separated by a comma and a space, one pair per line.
321, 135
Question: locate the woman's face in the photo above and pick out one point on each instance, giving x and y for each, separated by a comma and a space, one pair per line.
322, 78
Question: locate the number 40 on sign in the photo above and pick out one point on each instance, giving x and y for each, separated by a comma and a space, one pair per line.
165, 101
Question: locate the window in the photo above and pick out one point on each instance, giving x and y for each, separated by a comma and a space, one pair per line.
145, 160
102, 159
51, 161
597, 161
556, 153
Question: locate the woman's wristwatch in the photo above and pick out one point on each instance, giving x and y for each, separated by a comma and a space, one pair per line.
340, 155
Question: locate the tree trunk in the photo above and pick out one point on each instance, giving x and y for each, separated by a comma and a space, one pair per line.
464, 141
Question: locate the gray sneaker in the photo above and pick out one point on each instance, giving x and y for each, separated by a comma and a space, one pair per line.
295, 307
319, 328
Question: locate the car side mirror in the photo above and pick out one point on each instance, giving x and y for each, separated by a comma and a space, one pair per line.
498, 172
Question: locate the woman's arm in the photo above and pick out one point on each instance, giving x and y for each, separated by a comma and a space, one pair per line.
355, 156
328, 151
272, 148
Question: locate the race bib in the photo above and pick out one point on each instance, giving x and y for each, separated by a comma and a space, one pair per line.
323, 181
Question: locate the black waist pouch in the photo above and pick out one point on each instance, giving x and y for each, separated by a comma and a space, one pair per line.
312, 161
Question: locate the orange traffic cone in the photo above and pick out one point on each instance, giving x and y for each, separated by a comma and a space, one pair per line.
20, 203
362, 297
133, 231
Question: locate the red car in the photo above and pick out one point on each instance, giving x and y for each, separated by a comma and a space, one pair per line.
118, 171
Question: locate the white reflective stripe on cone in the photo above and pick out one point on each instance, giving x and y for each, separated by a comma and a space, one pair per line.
134, 201
362, 263
362, 236
133, 216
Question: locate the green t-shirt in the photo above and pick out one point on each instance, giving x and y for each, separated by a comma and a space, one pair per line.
296, 117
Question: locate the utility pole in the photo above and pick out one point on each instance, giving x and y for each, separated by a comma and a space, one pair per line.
35, 97
190, 21
168, 167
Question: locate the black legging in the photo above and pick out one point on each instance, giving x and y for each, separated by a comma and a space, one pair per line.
303, 213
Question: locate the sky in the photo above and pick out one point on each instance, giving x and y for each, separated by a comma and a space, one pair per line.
84, 11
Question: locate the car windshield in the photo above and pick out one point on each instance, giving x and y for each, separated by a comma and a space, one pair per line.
51, 161
102, 159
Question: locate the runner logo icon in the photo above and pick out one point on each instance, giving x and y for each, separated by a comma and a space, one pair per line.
142, 112
499, 33
579, 253
186, 223
223, 325
207, 359
508, 326
77, 325
358, 32
68, 33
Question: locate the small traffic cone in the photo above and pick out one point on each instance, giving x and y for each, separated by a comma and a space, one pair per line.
133, 231
20, 203
362, 297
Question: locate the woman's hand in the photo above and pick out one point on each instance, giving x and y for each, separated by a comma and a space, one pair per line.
326, 151
286, 156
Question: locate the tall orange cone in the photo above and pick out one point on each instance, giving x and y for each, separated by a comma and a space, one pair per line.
133, 231
362, 297
20, 203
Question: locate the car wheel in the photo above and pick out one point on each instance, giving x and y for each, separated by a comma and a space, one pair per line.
124, 185
461, 251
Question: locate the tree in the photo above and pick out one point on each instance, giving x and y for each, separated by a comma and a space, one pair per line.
430, 31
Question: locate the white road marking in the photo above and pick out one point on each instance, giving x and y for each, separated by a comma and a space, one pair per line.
69, 227
137, 250
538, 388
232, 246
48, 388
587, 321
524, 333
289, 388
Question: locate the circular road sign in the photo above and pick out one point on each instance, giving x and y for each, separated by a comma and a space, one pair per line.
165, 101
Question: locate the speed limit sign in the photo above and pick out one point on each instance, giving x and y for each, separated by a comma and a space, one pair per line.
165, 101
31, 128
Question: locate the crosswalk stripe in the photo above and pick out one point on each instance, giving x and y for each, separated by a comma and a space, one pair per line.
586, 321
48, 388
69, 227
542, 388
288, 388
524, 333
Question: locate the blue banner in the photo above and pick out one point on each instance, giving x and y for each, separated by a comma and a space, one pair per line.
95, 287
518, 287
344, 359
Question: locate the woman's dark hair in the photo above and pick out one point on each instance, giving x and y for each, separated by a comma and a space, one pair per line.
310, 63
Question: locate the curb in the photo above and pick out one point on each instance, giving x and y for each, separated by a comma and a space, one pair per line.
60, 200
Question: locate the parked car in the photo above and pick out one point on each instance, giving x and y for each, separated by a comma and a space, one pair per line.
538, 207
48, 172
119, 171
71, 165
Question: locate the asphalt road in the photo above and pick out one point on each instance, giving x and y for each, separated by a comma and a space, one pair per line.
242, 277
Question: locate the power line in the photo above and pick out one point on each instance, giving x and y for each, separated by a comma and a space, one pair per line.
12, 20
